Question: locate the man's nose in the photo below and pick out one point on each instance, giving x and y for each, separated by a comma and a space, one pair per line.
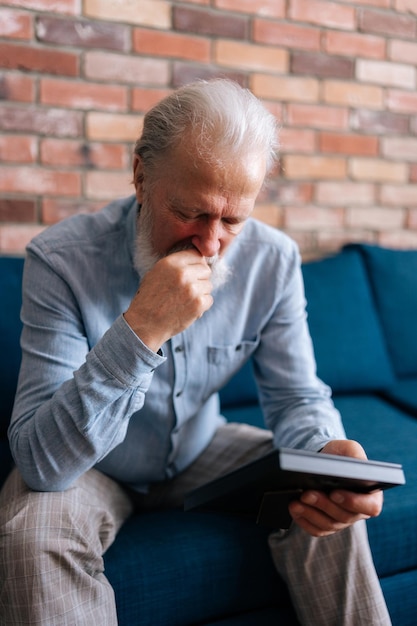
207, 240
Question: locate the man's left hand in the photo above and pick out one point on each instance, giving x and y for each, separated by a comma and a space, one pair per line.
322, 514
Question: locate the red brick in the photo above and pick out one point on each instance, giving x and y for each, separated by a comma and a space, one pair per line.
379, 170
17, 210
270, 214
399, 195
15, 25
413, 173
56, 209
18, 148
78, 95
285, 88
143, 99
321, 65
330, 14
17, 87
70, 153
345, 193
402, 51
53, 122
286, 192
377, 218
385, 23
379, 122
113, 127
250, 56
315, 116
339, 143
183, 73
33, 59
14, 238
108, 185
386, 73
155, 13
297, 140
39, 181
404, 239
314, 167
82, 33
168, 44
354, 44
126, 69
353, 94
67, 7
268, 8
286, 34
407, 6
399, 148
208, 22
312, 218
332, 241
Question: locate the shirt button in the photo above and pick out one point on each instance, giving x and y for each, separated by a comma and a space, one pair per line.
178, 394
179, 349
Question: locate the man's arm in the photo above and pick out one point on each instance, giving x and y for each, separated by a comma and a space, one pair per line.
73, 404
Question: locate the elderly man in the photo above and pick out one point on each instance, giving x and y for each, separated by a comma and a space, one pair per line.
134, 318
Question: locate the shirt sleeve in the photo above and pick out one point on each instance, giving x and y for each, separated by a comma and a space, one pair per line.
297, 405
73, 401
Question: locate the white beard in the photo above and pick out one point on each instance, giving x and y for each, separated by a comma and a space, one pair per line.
145, 256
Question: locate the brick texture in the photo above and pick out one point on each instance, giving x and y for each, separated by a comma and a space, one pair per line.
77, 77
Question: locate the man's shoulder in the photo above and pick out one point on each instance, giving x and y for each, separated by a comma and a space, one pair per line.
258, 236
85, 228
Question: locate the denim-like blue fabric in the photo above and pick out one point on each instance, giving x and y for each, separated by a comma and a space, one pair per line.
90, 393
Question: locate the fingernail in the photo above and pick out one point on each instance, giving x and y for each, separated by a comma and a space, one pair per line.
310, 497
337, 497
297, 509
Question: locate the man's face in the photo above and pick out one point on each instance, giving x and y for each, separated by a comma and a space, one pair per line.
194, 204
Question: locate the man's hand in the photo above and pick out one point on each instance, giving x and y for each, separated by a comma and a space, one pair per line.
172, 295
320, 514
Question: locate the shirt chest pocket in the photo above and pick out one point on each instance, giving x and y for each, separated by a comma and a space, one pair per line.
224, 361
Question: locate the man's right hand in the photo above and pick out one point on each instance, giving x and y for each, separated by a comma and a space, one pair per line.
171, 296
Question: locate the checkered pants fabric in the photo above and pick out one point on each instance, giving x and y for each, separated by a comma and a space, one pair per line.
52, 546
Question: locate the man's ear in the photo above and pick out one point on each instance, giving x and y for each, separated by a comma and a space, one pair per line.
138, 177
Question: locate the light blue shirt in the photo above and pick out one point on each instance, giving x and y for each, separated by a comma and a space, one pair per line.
90, 393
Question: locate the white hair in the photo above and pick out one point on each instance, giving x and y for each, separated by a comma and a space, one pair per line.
223, 119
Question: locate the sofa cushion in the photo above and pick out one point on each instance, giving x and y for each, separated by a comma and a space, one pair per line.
10, 329
403, 394
393, 276
349, 346
388, 434
172, 567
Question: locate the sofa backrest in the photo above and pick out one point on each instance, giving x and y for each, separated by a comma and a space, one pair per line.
393, 279
349, 343
10, 328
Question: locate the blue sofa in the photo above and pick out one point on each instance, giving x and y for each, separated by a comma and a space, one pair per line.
174, 568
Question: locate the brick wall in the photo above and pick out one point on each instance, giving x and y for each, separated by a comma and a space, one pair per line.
77, 76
